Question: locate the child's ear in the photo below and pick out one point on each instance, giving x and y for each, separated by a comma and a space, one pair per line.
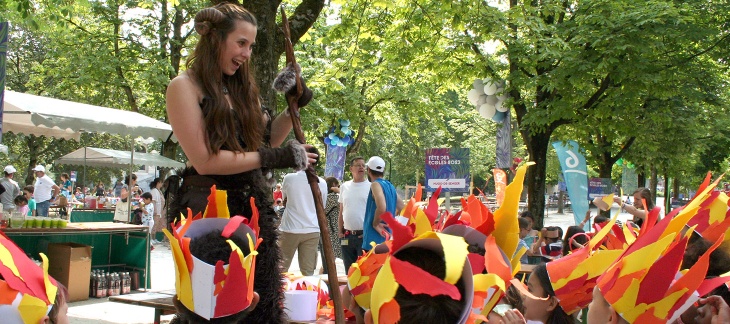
553, 303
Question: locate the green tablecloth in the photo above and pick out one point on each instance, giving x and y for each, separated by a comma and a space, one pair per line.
91, 215
129, 249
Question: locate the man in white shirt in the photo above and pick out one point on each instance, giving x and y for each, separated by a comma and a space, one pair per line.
299, 226
353, 198
45, 189
10, 189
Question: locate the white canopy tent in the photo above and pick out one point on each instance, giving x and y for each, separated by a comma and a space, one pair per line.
30, 114
36, 115
99, 157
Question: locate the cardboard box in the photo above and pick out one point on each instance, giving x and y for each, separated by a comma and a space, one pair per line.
70, 264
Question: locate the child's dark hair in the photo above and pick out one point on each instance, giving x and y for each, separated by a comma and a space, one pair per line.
580, 239
146, 195
210, 248
29, 188
524, 223
558, 315
422, 308
20, 199
599, 219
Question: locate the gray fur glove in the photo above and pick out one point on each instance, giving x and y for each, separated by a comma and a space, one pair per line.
292, 155
286, 82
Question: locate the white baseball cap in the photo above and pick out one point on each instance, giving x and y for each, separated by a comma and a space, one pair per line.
376, 163
39, 168
10, 169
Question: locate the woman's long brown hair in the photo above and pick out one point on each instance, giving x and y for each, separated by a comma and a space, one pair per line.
222, 124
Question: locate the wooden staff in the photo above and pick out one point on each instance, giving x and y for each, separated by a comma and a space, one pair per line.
329, 255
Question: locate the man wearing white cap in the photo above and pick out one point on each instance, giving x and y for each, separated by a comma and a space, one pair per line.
382, 198
45, 190
10, 189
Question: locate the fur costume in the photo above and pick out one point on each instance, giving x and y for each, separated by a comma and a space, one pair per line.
193, 193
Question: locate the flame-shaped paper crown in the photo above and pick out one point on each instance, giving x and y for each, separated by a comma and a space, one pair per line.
362, 274
395, 273
645, 284
574, 276
27, 292
220, 289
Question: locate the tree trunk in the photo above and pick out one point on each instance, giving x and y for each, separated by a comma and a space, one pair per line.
537, 148
561, 205
653, 183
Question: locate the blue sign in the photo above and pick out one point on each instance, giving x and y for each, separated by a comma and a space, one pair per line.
448, 168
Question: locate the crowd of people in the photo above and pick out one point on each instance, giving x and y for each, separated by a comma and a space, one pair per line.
406, 263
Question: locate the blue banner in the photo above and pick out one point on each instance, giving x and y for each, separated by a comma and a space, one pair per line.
335, 166
575, 173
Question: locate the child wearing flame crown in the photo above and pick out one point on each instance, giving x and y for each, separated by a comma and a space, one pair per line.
215, 257
28, 295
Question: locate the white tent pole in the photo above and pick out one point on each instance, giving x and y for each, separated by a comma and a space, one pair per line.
83, 179
129, 188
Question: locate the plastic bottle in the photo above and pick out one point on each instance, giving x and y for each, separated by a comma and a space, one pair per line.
92, 284
100, 285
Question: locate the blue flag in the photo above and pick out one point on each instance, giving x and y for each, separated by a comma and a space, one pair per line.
575, 173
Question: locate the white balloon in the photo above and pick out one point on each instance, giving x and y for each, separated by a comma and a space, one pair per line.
473, 96
490, 88
503, 96
482, 99
500, 106
492, 100
478, 84
487, 111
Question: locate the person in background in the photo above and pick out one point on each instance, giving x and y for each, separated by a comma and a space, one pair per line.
100, 192
277, 192
129, 182
158, 201
299, 225
66, 186
45, 190
149, 210
549, 246
10, 189
78, 195
637, 208
575, 238
524, 230
28, 193
353, 200
21, 204
331, 210
118, 188
382, 198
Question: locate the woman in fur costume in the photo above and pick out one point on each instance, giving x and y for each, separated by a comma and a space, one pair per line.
230, 141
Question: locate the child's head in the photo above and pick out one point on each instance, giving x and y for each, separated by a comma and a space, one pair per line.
421, 307
20, 201
147, 197
211, 248
524, 226
59, 311
28, 191
64, 176
545, 308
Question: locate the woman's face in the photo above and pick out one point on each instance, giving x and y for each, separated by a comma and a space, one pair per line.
536, 309
638, 202
237, 47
